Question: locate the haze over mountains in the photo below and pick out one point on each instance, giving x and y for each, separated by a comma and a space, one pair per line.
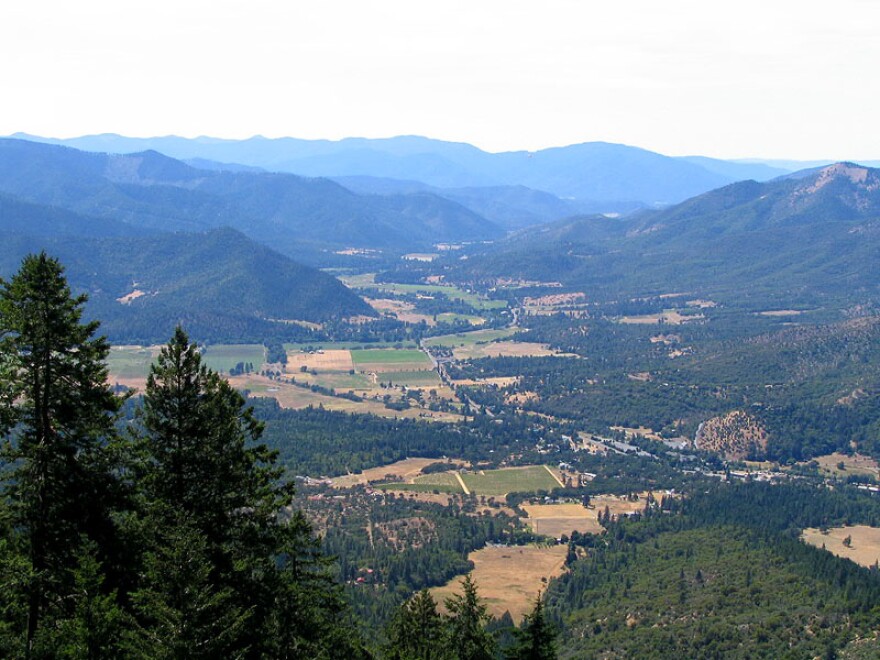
601, 175
789, 239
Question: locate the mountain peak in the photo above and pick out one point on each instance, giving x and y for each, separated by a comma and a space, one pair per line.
857, 174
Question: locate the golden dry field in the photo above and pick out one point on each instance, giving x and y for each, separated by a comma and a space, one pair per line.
864, 548
558, 519
509, 579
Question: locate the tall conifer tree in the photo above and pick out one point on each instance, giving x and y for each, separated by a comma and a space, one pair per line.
57, 416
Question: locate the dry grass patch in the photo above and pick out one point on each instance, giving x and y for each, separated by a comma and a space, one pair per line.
668, 317
855, 464
502, 349
329, 360
404, 470
863, 547
295, 397
558, 519
508, 579
781, 312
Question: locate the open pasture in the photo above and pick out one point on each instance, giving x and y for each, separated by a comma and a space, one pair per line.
367, 281
667, 317
223, 357
857, 464
129, 365
508, 579
504, 348
510, 480
472, 338
296, 397
557, 519
864, 542
319, 360
381, 360
404, 470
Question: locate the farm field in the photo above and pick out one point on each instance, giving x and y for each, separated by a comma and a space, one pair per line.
345, 345
558, 519
132, 363
368, 281
406, 469
380, 360
508, 579
296, 397
223, 357
129, 365
504, 348
466, 339
864, 548
510, 480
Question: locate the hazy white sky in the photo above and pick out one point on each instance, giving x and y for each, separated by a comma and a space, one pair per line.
772, 78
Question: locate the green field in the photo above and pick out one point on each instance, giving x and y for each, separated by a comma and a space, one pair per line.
470, 338
131, 361
422, 488
451, 317
510, 480
452, 292
347, 345
223, 357
413, 359
423, 379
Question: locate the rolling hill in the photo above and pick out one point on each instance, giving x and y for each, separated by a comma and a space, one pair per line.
219, 284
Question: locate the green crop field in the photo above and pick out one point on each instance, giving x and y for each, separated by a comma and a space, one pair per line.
223, 357
425, 379
510, 480
407, 359
347, 345
131, 361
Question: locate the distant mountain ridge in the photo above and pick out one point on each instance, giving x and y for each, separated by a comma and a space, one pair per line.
812, 238
591, 172
291, 213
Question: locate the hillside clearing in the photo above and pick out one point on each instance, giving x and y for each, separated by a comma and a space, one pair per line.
509, 579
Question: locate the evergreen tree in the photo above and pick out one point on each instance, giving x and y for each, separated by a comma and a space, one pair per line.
416, 632
468, 637
57, 415
535, 638
206, 475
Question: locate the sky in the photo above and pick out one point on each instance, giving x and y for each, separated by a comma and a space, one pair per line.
750, 78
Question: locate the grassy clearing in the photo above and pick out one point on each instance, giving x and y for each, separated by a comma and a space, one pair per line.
667, 317
503, 349
510, 480
509, 578
864, 542
449, 489
404, 470
130, 362
452, 292
470, 338
841, 465
346, 345
223, 357
382, 360
295, 397
557, 519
